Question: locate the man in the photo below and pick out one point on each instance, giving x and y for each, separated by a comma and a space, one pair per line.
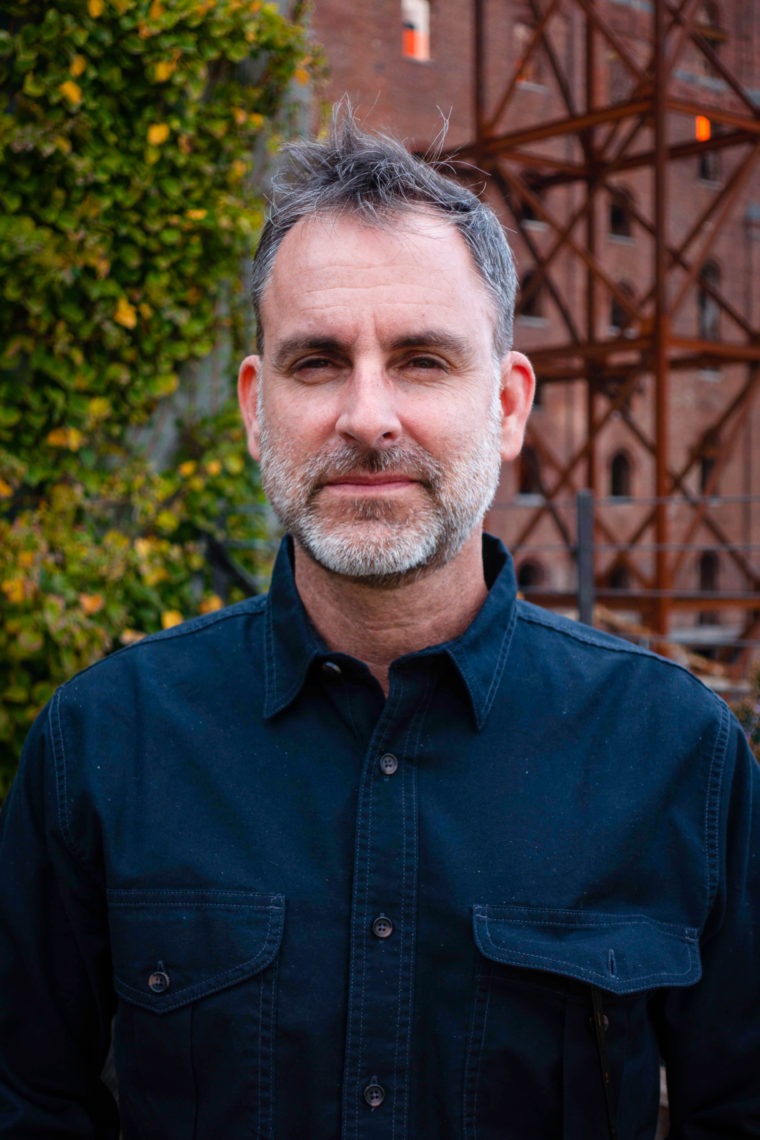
388, 853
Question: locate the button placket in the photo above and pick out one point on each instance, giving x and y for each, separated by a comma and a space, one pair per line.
380, 1013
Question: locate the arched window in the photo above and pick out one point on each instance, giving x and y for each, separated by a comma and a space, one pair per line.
620, 475
530, 301
530, 482
527, 62
621, 315
710, 34
708, 310
530, 574
415, 33
620, 578
709, 565
621, 213
709, 455
523, 210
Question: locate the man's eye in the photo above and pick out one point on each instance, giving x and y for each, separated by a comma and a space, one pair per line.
426, 363
312, 364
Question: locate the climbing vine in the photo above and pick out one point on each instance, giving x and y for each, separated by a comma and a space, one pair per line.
131, 139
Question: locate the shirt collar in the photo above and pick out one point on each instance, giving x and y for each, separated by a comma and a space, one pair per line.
478, 655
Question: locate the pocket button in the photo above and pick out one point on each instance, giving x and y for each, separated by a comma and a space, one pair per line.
159, 982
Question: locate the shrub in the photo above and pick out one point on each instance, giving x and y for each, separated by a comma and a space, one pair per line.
132, 136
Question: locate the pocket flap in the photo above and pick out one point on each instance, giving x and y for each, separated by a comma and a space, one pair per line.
173, 947
621, 953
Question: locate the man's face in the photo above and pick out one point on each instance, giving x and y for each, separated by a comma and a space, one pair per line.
378, 410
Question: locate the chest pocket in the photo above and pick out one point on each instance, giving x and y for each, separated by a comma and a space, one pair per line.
533, 1065
195, 972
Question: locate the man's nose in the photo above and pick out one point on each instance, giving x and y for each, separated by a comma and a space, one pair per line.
369, 412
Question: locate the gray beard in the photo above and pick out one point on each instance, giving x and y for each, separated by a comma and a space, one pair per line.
380, 543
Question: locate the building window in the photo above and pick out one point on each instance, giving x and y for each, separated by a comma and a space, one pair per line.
711, 34
710, 168
527, 62
708, 309
621, 214
530, 482
523, 210
415, 34
709, 565
709, 455
530, 298
530, 574
620, 476
621, 315
620, 578
618, 78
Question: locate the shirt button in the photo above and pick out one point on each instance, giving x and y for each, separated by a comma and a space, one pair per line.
159, 982
388, 764
374, 1095
382, 927
331, 669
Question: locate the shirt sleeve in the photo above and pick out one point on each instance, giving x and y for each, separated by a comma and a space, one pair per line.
56, 1004
711, 1031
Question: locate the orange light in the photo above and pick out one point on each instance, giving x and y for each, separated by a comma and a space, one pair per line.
702, 128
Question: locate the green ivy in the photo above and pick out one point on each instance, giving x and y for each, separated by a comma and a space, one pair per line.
131, 138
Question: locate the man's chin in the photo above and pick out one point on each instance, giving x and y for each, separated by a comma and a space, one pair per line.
373, 555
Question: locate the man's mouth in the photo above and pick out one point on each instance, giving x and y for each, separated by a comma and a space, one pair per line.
364, 482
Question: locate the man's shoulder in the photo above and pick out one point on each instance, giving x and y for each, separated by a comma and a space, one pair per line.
192, 644
595, 651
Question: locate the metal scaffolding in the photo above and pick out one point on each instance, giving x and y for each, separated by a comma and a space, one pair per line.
564, 173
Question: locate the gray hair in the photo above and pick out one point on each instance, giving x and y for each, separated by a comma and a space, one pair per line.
374, 177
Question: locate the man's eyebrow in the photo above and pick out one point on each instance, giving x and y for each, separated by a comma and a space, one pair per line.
433, 338
292, 345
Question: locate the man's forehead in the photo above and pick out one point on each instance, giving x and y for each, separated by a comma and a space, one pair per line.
369, 254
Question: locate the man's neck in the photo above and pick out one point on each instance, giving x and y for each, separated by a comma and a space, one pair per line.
378, 625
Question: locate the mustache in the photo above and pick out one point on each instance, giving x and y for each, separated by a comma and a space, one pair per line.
353, 459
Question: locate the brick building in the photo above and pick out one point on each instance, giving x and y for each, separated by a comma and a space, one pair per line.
619, 144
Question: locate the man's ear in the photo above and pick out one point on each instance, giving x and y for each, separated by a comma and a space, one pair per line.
518, 385
248, 394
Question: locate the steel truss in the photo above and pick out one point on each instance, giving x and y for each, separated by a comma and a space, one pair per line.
644, 130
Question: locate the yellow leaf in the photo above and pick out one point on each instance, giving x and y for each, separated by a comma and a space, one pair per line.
125, 314
78, 64
14, 590
210, 604
156, 10
170, 618
158, 133
95, 8
239, 115
99, 408
238, 169
130, 636
165, 68
26, 559
187, 468
301, 76
145, 310
71, 91
5, 489
235, 464
213, 467
69, 438
167, 521
91, 603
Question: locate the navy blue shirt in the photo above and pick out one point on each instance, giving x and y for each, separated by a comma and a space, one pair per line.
306, 911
